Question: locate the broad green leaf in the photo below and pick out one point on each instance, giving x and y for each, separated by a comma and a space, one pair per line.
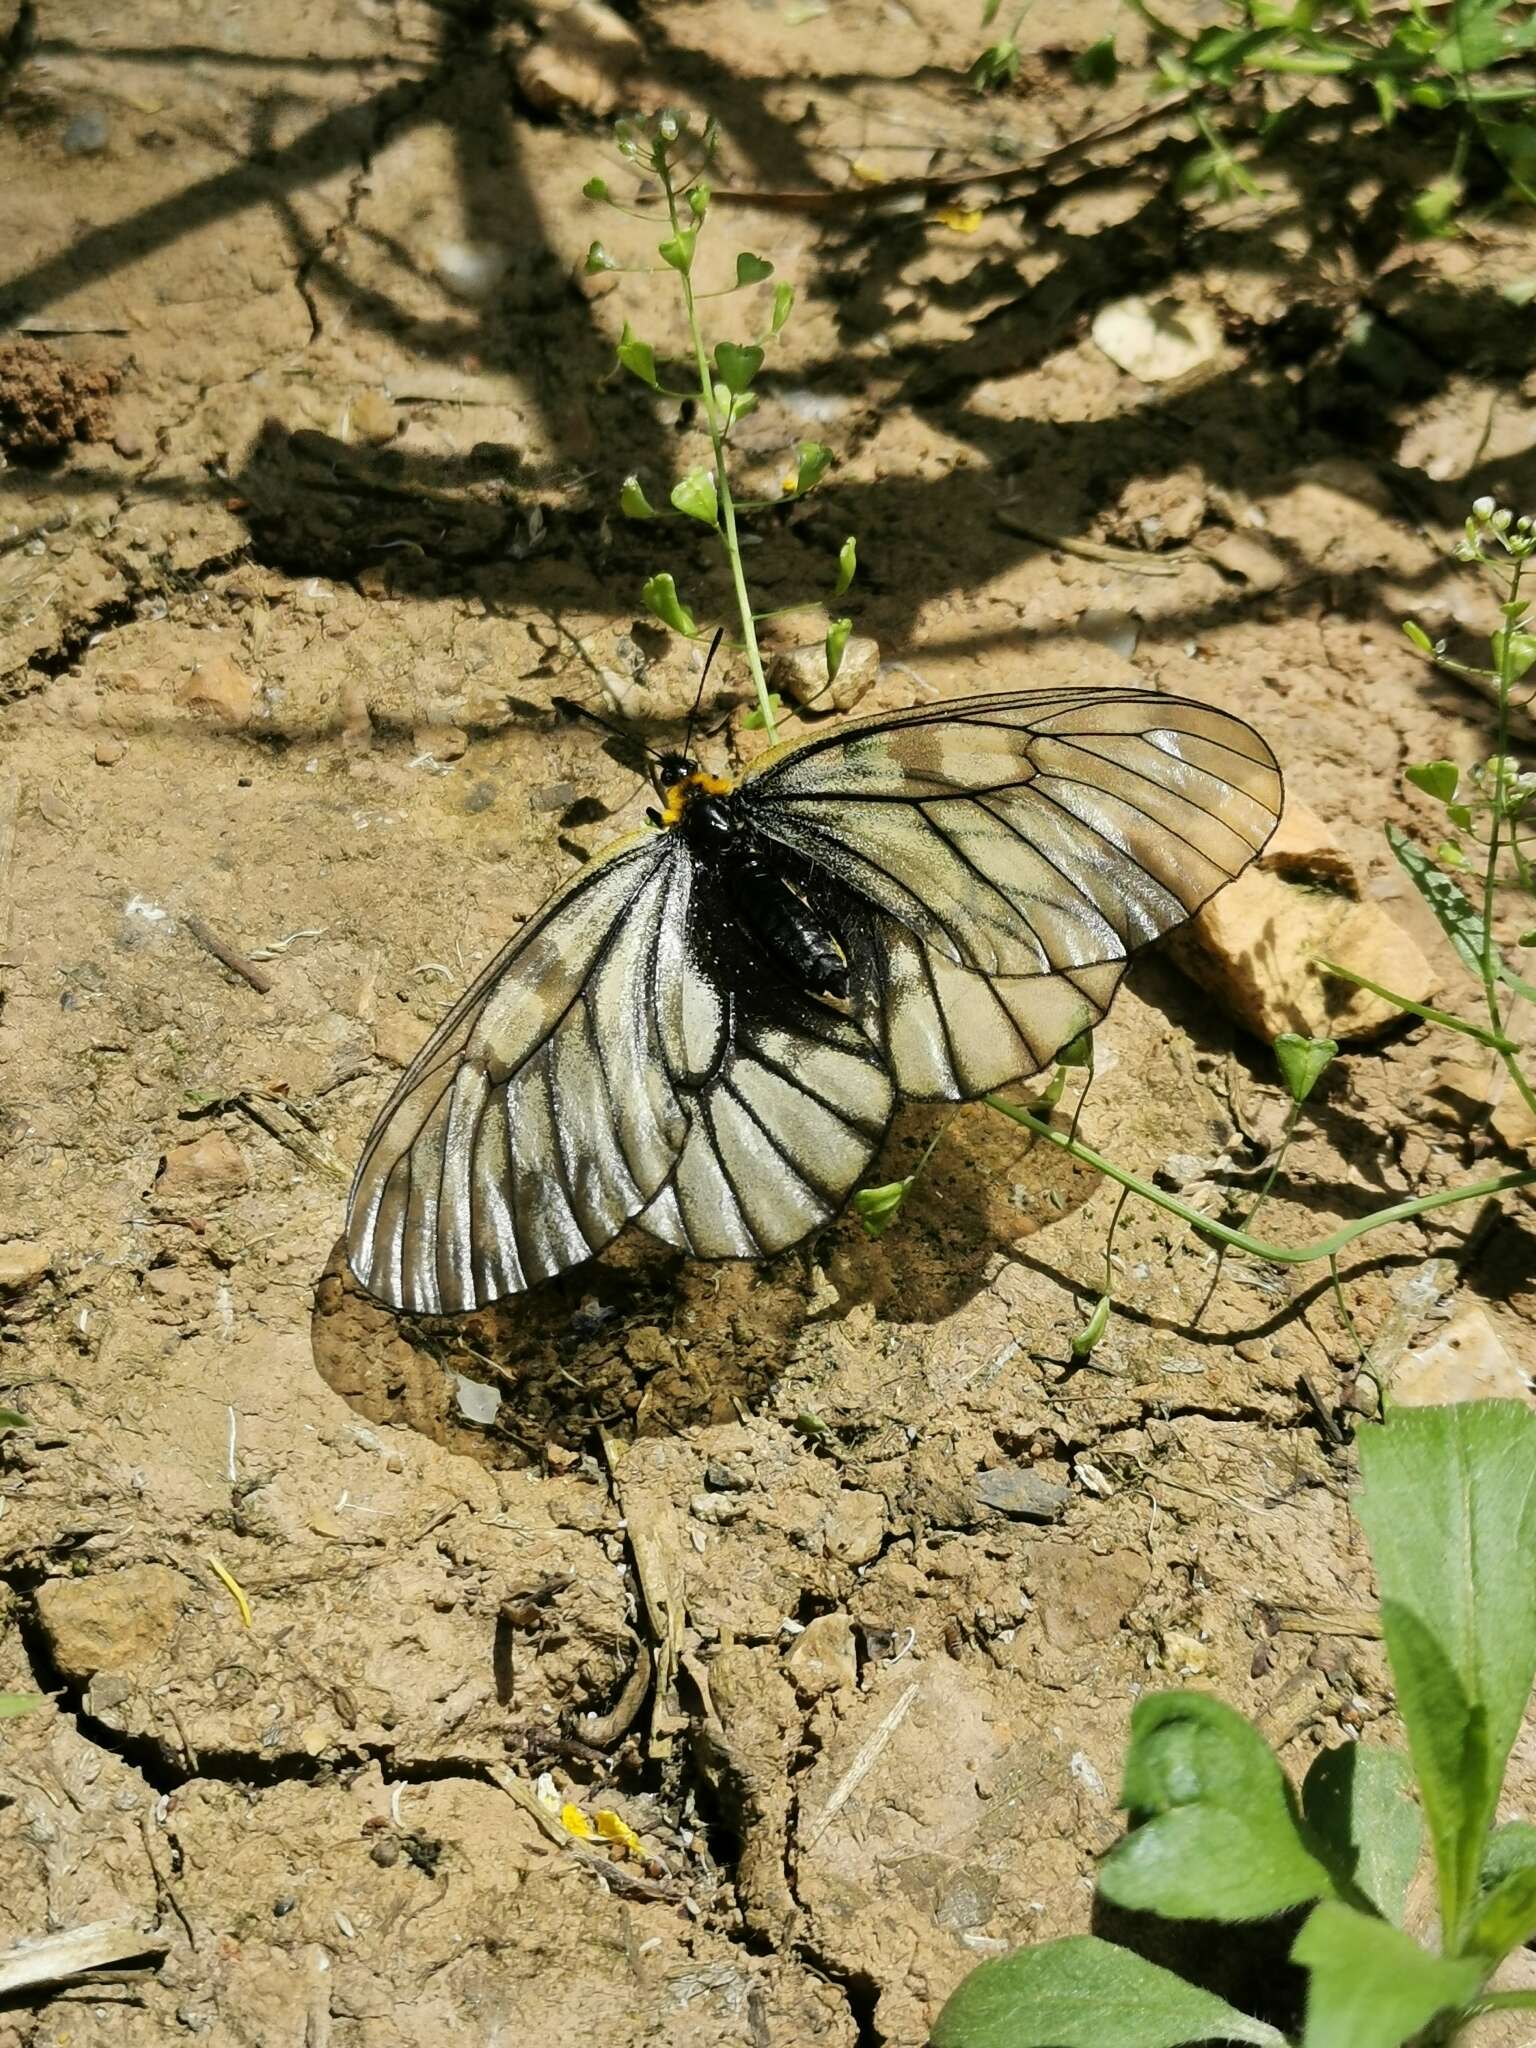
12, 1418
638, 357
1303, 1061
737, 366
837, 641
1504, 1918
14, 1704
783, 304
695, 495
1448, 1505
878, 1208
1516, 649
1219, 1837
660, 598
815, 461
1436, 778
598, 259
1358, 1802
1087, 1993
633, 502
1509, 1848
752, 269
1098, 64
1369, 1985
847, 564
1454, 914
677, 250
1482, 36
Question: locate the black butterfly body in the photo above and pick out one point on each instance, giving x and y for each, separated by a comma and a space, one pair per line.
706, 1030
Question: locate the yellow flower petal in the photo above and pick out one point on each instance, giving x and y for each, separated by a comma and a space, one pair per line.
613, 1828
965, 220
865, 174
575, 1822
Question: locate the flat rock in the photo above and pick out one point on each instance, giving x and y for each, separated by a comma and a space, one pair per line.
210, 1166
1016, 1490
110, 1621
1467, 1361
799, 674
22, 1266
220, 690
822, 1657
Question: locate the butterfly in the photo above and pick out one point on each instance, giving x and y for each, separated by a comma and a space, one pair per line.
706, 1031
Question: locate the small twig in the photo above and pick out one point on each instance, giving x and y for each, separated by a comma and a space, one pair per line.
163, 1886
602, 1731
854, 198
307, 1153
226, 955
51, 1958
1321, 1410
1133, 560
868, 1756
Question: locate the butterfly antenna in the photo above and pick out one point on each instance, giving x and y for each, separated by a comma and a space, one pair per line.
569, 708
698, 695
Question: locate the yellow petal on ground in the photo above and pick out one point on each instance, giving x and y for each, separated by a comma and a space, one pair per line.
790, 481
965, 220
865, 174
236, 1591
613, 1828
575, 1822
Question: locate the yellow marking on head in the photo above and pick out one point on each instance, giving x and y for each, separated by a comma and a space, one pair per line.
682, 794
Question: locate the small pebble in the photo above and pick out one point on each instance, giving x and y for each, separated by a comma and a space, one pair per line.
554, 796
22, 1266
385, 1852
130, 447
1015, 1490
109, 753
720, 1477
480, 798
86, 134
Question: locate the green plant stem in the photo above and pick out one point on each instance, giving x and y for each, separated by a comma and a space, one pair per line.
1490, 953
1495, 1040
1500, 2001
1275, 1254
727, 528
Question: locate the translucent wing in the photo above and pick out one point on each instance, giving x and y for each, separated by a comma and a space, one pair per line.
992, 864
626, 1056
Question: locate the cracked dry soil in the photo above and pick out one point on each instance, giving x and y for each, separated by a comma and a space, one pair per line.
276, 642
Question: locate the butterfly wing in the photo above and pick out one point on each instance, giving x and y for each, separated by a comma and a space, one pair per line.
626, 1056
992, 864
541, 1115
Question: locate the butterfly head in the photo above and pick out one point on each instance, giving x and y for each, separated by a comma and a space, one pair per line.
684, 785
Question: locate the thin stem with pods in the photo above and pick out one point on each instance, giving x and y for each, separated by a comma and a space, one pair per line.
718, 430
1489, 959
1275, 1254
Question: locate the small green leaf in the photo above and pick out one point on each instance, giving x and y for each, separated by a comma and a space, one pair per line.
878, 1208
1517, 650
837, 642
754, 720
660, 598
751, 269
1077, 1052
1085, 1339
1358, 1802
677, 250
633, 502
1504, 1918
595, 188
1370, 1986
1509, 1848
1219, 1837
1433, 211
1098, 64
12, 1418
698, 200
1087, 1993
1448, 1505
598, 259
1419, 637
1303, 1061
783, 304
815, 461
997, 65
13, 1704
1462, 925
1436, 778
638, 357
695, 495
1460, 816
847, 564
737, 366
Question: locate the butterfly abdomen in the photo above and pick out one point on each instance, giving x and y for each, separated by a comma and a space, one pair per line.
787, 929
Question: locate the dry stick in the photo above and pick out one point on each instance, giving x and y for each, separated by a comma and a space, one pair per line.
52, 1958
237, 963
868, 1756
854, 198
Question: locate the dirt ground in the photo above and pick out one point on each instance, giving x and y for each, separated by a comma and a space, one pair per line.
307, 511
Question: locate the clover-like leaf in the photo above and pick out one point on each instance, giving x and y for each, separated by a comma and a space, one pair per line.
752, 269
783, 305
878, 1208
737, 366
1436, 778
598, 260
814, 462
1303, 1061
595, 188
633, 502
698, 200
660, 598
677, 250
638, 357
696, 496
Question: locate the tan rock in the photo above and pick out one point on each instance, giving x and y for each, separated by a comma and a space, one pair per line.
219, 688
373, 417
22, 1266
586, 53
442, 742
398, 1037
1466, 1362
799, 674
822, 1657
209, 1168
109, 752
856, 1527
110, 1621
1255, 947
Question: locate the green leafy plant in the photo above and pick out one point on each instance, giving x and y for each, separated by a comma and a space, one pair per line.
670, 156
1461, 69
1217, 1832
